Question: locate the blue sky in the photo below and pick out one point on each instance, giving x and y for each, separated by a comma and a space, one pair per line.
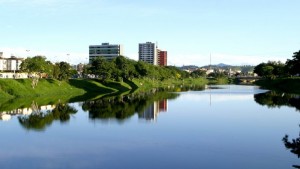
234, 32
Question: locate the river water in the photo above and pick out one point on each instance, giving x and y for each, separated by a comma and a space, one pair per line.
220, 127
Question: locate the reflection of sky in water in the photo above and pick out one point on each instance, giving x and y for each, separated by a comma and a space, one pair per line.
205, 129
223, 93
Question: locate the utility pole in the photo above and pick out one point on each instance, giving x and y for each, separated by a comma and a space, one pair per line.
209, 61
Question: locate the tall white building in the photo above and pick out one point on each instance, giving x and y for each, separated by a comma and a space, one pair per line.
106, 50
148, 52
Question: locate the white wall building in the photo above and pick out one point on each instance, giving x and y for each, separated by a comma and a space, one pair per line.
11, 64
148, 52
106, 50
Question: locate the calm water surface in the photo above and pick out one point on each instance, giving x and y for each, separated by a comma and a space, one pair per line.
227, 127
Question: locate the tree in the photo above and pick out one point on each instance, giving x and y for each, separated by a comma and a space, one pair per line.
198, 73
37, 64
293, 66
132, 73
267, 70
101, 68
259, 69
86, 70
65, 71
270, 69
56, 71
279, 68
122, 66
141, 68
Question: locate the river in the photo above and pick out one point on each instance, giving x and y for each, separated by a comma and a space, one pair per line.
227, 126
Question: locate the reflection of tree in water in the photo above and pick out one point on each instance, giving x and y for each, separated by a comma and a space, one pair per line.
293, 146
123, 107
274, 99
40, 120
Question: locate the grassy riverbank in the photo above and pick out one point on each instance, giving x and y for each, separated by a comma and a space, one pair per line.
16, 93
10, 88
147, 84
22, 88
289, 85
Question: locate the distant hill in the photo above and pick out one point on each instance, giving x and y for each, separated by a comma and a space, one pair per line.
222, 65
244, 68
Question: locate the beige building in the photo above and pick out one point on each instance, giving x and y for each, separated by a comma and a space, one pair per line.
106, 50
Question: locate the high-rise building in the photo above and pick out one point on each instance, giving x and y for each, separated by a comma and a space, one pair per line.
106, 50
162, 58
148, 53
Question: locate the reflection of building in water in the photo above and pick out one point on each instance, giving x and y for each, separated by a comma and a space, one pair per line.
6, 115
150, 112
154, 109
163, 105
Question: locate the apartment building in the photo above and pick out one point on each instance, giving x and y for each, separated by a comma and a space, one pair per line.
162, 58
106, 50
148, 53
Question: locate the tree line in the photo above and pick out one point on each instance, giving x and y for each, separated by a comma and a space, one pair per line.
44, 68
120, 68
274, 69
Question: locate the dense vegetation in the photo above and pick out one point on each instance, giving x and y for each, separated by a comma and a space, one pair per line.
100, 77
289, 85
118, 69
39, 66
284, 76
274, 69
116, 107
273, 99
122, 68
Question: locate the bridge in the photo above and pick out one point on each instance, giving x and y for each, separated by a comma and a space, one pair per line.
247, 79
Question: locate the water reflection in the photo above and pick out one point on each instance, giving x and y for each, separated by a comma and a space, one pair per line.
34, 108
147, 105
274, 99
188, 136
293, 146
154, 109
39, 120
